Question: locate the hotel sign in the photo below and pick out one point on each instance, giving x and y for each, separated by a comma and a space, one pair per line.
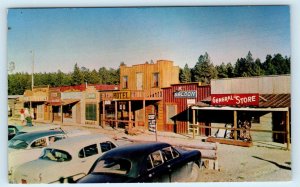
121, 95
235, 99
186, 94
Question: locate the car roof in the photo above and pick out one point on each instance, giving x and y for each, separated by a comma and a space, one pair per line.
74, 144
40, 128
136, 150
28, 137
16, 126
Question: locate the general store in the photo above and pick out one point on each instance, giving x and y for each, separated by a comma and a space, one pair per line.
239, 102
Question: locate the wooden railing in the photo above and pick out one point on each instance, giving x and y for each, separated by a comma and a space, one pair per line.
152, 94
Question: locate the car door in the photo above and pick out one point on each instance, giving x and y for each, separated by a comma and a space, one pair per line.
157, 170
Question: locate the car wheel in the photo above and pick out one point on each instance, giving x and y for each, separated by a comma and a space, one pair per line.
195, 173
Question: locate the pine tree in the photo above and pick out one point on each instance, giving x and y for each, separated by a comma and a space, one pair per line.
185, 75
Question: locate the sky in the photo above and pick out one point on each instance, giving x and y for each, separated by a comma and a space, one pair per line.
97, 37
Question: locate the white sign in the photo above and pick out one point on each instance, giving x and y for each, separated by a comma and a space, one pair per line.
191, 101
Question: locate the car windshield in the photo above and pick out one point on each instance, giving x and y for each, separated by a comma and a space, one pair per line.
112, 165
55, 155
17, 144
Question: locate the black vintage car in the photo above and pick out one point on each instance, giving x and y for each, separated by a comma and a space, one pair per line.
145, 162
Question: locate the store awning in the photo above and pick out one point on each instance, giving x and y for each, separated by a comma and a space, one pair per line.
63, 102
69, 101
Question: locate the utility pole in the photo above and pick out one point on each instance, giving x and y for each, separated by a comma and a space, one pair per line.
32, 79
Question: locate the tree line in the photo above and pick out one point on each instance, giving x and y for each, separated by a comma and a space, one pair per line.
203, 71
19, 82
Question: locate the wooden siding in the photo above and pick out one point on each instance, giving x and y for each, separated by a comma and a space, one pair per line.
181, 125
168, 74
279, 84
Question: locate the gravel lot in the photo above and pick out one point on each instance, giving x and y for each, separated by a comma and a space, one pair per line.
264, 161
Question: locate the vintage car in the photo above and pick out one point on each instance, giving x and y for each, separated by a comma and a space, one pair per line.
64, 161
40, 127
13, 130
28, 146
146, 162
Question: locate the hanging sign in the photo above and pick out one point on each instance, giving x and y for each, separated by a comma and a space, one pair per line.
152, 122
235, 99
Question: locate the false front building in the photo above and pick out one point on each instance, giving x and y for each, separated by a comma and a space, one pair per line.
140, 95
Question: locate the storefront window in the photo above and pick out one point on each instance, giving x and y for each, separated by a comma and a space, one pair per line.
125, 82
91, 112
155, 80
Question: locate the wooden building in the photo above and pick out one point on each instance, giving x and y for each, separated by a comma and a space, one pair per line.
177, 101
240, 103
35, 99
140, 94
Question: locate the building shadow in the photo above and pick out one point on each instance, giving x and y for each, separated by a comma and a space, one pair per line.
275, 163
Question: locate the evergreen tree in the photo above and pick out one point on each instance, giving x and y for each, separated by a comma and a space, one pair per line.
185, 74
204, 70
222, 70
77, 76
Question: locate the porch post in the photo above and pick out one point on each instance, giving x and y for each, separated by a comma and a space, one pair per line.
288, 129
129, 125
235, 124
194, 122
103, 114
61, 113
116, 114
144, 112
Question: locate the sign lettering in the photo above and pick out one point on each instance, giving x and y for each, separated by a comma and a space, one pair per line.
235, 99
121, 95
185, 94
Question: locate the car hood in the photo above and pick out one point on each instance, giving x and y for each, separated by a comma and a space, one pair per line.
104, 178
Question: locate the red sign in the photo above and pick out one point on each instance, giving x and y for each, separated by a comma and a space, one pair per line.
235, 99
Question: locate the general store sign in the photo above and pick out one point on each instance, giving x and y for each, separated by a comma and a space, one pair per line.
235, 99
186, 94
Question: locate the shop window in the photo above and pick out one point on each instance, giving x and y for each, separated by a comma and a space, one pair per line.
125, 82
91, 112
155, 80
67, 110
171, 111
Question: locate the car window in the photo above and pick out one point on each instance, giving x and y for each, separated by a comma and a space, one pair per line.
106, 146
88, 151
113, 165
55, 138
41, 142
169, 153
56, 155
12, 130
154, 159
17, 144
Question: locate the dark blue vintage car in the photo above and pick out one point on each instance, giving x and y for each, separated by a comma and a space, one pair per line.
145, 162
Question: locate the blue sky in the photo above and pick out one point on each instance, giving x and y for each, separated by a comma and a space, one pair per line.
97, 37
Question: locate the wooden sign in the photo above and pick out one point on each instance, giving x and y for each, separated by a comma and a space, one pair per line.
235, 99
121, 95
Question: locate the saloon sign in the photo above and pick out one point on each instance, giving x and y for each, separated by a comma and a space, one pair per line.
235, 99
185, 94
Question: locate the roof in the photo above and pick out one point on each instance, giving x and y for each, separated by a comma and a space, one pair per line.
41, 127
77, 142
29, 137
138, 150
265, 101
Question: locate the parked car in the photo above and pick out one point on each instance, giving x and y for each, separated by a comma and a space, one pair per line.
13, 130
65, 161
147, 162
40, 127
28, 146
